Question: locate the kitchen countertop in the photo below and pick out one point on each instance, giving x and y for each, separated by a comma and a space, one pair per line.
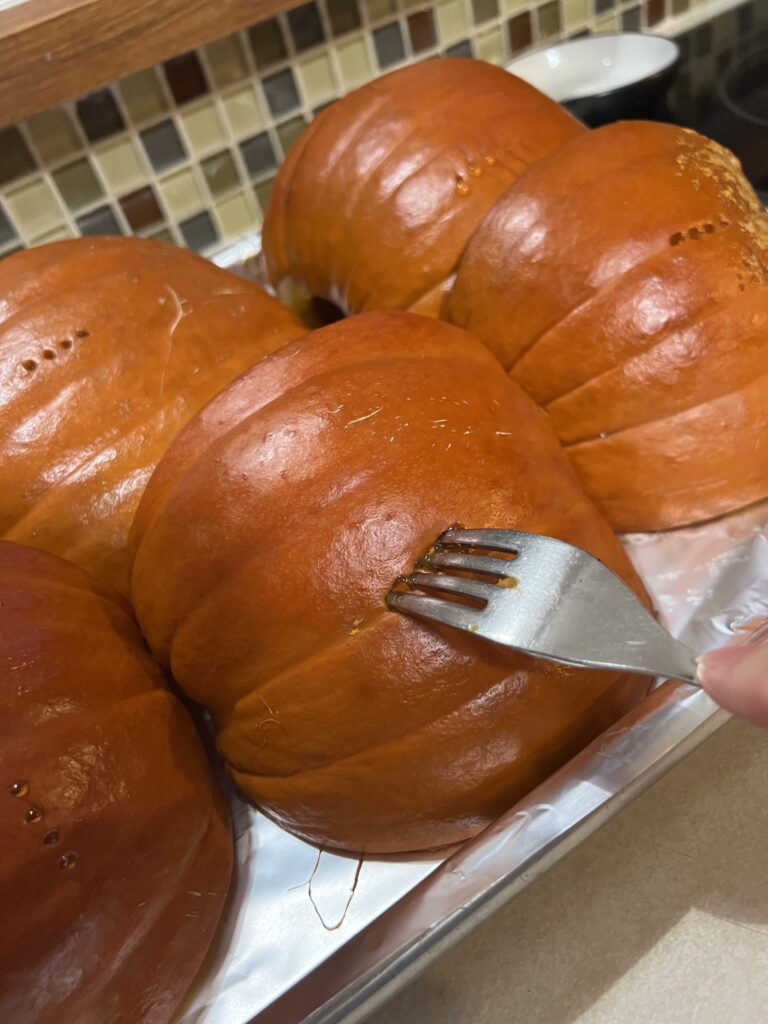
661, 917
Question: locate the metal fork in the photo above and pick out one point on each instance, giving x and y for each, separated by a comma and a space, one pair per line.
545, 597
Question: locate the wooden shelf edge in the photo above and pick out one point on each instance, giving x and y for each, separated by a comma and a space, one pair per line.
53, 50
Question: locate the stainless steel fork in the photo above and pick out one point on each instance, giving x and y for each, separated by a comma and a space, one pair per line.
544, 597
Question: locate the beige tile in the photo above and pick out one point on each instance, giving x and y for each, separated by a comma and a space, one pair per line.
510, 6
181, 193
143, 96
608, 23
451, 20
237, 215
54, 134
59, 234
120, 164
575, 13
490, 46
354, 61
203, 127
34, 208
226, 60
243, 110
378, 9
317, 77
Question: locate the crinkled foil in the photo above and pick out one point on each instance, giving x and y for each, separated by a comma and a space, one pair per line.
319, 937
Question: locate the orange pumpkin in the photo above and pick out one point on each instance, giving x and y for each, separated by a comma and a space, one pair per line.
269, 536
107, 348
378, 197
116, 849
623, 282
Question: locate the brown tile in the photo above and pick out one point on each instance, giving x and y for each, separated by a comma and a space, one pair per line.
421, 29
654, 12
344, 16
185, 77
141, 208
267, 43
15, 158
99, 115
519, 29
306, 27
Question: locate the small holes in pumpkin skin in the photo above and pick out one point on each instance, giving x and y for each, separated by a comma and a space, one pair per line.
29, 365
677, 238
65, 343
82, 334
48, 353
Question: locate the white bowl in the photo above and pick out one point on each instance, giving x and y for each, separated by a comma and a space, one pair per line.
602, 77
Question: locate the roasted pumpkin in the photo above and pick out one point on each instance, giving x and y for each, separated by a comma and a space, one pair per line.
107, 347
269, 536
116, 849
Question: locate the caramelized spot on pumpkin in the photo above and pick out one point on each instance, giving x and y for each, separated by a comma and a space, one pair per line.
65, 343
29, 365
48, 353
462, 186
677, 238
82, 334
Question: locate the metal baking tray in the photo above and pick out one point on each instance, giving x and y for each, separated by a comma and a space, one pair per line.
320, 938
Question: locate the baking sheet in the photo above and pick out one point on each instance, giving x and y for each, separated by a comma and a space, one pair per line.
323, 937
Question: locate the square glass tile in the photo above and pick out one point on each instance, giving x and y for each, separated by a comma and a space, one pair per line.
185, 77
199, 231
484, 10
630, 20
99, 222
141, 208
378, 9
180, 192
262, 193
317, 77
344, 16
59, 234
78, 184
164, 235
221, 173
33, 208
7, 233
259, 155
163, 145
53, 134
421, 29
15, 158
306, 27
226, 60
267, 43
203, 128
281, 92
289, 131
490, 46
119, 163
354, 61
575, 12
99, 115
236, 215
243, 110
388, 43
520, 34
451, 20
549, 20
143, 96
603, 6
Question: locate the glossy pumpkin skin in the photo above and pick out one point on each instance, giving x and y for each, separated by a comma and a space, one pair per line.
107, 348
623, 281
269, 536
116, 848
378, 197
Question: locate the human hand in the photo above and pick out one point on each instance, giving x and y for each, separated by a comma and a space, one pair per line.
736, 678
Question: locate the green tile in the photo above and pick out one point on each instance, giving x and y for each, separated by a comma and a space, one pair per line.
164, 235
484, 10
221, 173
316, 74
262, 192
143, 96
289, 131
203, 128
237, 215
54, 134
15, 158
119, 164
378, 9
34, 208
226, 60
60, 234
267, 42
354, 61
451, 20
78, 184
180, 192
244, 111
489, 45
549, 20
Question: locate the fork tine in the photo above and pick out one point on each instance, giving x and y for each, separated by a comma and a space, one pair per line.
492, 540
453, 584
446, 612
501, 568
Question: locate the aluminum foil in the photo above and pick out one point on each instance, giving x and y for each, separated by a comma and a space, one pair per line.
320, 937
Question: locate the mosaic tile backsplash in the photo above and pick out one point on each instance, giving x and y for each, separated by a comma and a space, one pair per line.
186, 151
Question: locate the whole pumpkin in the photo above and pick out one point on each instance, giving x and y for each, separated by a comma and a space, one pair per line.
623, 282
107, 348
269, 536
378, 197
116, 850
